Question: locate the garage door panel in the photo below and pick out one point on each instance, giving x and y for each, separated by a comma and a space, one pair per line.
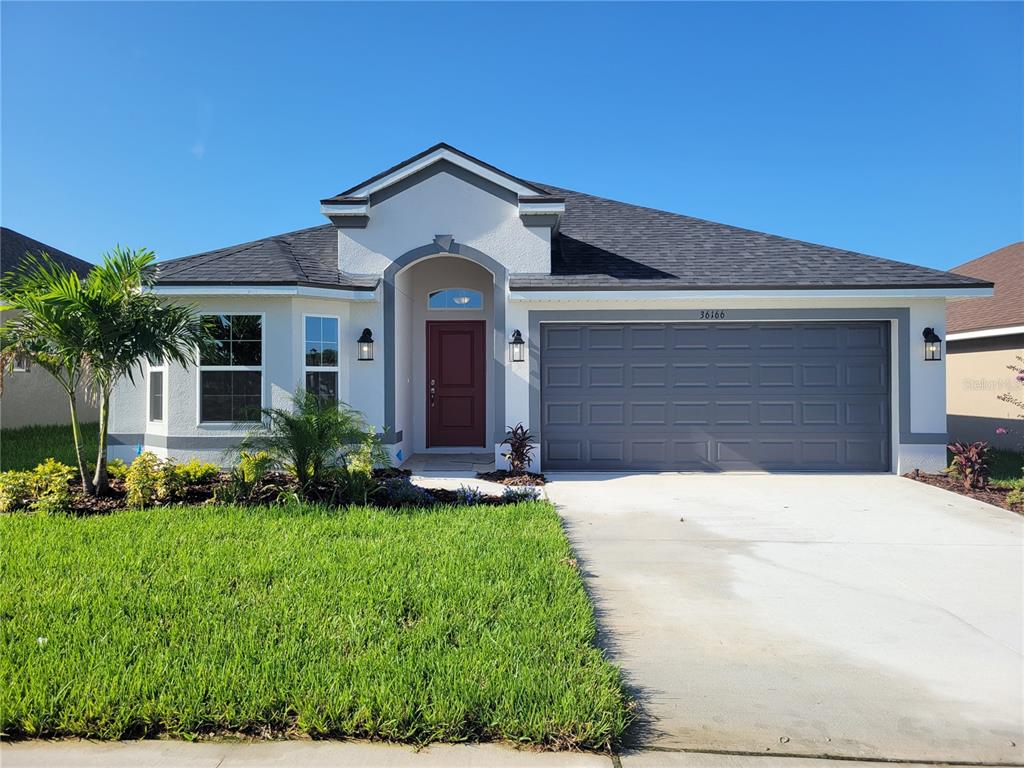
715, 396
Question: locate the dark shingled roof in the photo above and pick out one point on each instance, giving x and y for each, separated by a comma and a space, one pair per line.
1005, 307
601, 244
605, 244
14, 246
305, 257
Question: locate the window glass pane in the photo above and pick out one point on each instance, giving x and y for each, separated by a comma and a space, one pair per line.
455, 298
329, 356
246, 327
323, 384
156, 395
246, 352
246, 383
313, 353
216, 353
218, 326
230, 395
330, 329
313, 331
215, 383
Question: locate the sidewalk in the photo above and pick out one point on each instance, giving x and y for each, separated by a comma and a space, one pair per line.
355, 754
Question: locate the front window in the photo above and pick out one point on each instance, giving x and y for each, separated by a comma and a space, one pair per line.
156, 394
321, 357
455, 298
231, 369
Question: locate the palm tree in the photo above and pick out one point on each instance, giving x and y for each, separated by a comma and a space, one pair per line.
114, 322
312, 437
48, 333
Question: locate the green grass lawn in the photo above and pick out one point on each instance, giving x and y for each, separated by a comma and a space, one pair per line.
24, 448
1006, 467
447, 624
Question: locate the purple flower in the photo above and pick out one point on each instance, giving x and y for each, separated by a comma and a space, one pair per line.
1001, 430
1020, 377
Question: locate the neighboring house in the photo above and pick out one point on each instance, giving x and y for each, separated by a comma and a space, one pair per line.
984, 336
650, 340
30, 394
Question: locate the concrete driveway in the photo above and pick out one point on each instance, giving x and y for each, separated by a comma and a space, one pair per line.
849, 615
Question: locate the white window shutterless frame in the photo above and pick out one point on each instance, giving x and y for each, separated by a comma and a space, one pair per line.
231, 369
321, 355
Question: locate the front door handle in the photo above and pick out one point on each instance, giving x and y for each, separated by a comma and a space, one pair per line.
433, 393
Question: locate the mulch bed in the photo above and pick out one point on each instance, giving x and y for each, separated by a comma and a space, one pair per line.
994, 496
505, 477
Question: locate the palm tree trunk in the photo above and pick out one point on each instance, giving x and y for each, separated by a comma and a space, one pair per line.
100, 479
76, 433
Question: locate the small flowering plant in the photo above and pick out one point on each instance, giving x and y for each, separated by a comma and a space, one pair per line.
1015, 399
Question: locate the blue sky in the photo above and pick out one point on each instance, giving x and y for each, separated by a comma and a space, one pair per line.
892, 129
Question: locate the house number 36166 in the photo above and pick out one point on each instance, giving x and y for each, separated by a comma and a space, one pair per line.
712, 314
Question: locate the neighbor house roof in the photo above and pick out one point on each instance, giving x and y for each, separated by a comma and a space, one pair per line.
1005, 308
15, 248
600, 244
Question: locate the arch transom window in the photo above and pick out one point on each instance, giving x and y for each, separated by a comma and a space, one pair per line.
455, 298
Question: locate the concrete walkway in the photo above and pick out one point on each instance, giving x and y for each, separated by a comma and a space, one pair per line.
859, 616
335, 754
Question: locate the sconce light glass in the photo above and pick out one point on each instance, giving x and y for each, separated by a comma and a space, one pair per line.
932, 345
517, 348
364, 345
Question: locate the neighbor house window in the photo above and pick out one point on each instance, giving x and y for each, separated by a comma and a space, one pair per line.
455, 298
156, 392
231, 369
321, 356
22, 363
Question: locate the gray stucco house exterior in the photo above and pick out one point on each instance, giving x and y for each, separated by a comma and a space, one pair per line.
447, 298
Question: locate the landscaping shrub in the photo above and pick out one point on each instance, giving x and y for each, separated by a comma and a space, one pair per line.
466, 494
400, 492
15, 490
117, 469
520, 448
142, 480
195, 472
514, 494
50, 491
313, 439
970, 464
44, 489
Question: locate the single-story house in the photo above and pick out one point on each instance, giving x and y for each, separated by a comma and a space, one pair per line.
30, 394
447, 299
984, 336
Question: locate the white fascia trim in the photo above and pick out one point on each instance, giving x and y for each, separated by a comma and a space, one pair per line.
363, 209
541, 209
986, 333
264, 290
435, 156
656, 295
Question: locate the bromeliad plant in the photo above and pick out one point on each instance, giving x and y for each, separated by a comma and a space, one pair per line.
970, 464
520, 449
94, 331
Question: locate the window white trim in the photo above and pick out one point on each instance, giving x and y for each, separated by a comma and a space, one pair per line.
261, 369
321, 368
471, 291
150, 370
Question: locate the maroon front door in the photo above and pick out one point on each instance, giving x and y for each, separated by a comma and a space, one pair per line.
455, 383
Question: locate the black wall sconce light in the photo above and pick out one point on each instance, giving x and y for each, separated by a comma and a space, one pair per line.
364, 348
932, 345
517, 348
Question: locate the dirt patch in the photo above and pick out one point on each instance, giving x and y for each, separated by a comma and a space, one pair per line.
990, 495
505, 477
